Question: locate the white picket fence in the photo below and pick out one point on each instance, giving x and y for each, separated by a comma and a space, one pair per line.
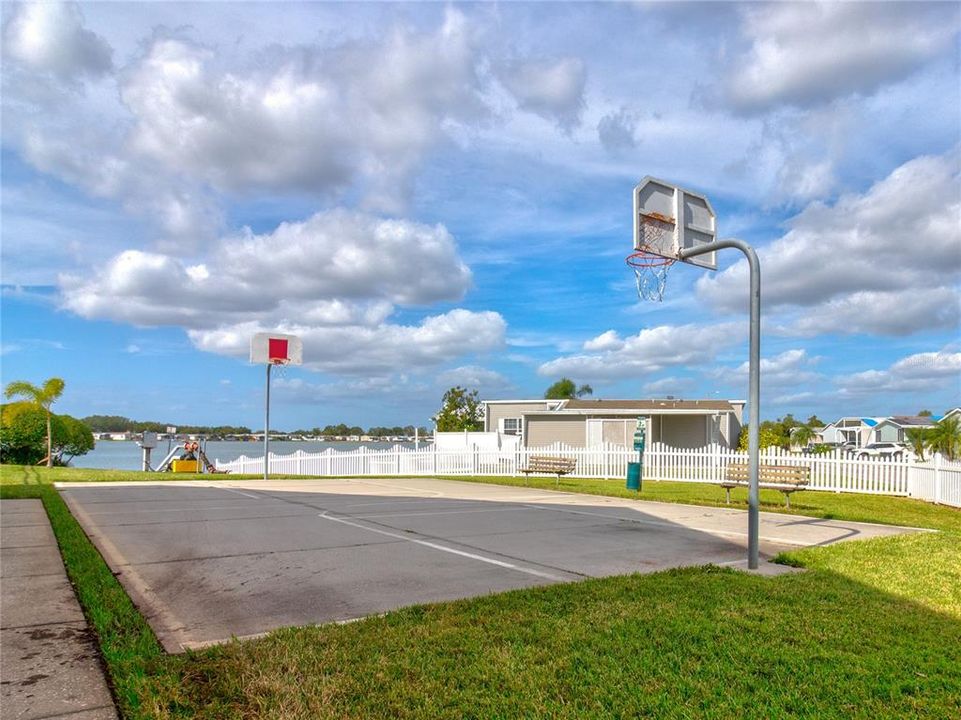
936, 480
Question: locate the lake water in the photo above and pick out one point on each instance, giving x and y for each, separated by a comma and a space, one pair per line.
127, 455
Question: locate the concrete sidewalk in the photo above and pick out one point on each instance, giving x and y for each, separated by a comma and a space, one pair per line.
49, 662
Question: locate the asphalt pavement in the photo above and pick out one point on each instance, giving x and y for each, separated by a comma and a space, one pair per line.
207, 561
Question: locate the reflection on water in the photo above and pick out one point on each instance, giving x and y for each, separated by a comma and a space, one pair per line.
126, 455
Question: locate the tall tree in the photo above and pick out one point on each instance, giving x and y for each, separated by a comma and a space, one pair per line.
460, 410
814, 422
566, 389
43, 397
924, 413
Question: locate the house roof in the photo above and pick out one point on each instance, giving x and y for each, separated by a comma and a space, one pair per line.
722, 405
912, 420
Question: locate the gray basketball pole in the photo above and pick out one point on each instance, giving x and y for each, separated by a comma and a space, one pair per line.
267, 425
754, 386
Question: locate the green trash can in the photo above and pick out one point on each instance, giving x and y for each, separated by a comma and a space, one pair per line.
633, 476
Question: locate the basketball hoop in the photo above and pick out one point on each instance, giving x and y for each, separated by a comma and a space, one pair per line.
650, 266
280, 366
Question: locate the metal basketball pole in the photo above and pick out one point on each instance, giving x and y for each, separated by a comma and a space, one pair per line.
754, 386
267, 424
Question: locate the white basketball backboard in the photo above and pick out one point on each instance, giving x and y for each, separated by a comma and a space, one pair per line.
683, 219
276, 349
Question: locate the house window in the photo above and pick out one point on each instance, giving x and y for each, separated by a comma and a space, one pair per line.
512, 426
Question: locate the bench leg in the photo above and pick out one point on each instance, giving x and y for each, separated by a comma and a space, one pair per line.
728, 491
787, 500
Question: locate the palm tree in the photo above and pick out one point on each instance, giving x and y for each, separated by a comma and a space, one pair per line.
802, 436
945, 437
42, 397
917, 438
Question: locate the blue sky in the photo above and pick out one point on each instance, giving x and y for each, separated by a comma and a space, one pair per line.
438, 194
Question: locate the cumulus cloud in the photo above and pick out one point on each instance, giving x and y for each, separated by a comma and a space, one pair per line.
921, 372
881, 313
552, 89
50, 37
332, 279
309, 120
804, 54
337, 267
608, 340
383, 349
897, 245
649, 351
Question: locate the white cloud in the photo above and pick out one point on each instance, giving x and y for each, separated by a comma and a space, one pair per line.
307, 120
552, 89
881, 313
132, 349
649, 351
922, 372
337, 267
808, 53
608, 340
897, 245
50, 37
361, 350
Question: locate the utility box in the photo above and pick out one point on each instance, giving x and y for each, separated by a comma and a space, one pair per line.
185, 466
148, 441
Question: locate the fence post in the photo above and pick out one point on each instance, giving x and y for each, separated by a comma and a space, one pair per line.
937, 478
434, 457
473, 459
397, 459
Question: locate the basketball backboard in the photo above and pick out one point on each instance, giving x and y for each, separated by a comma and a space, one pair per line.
276, 349
668, 218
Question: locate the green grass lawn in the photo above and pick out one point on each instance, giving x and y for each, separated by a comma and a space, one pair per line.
871, 630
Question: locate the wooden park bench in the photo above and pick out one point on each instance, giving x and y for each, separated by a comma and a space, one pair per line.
547, 464
786, 478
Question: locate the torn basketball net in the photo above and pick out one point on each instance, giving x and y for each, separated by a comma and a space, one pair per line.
649, 266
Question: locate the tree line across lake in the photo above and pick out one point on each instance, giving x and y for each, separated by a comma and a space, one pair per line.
118, 423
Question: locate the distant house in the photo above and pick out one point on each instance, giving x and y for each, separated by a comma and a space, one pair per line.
857, 430
588, 423
893, 429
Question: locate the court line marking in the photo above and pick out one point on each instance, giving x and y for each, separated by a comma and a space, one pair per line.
444, 548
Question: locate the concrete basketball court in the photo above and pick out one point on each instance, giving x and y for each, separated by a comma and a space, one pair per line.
207, 561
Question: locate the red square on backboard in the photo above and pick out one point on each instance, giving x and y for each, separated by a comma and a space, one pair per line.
276, 349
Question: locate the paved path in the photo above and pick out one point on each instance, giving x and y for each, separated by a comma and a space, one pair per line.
49, 663
205, 561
